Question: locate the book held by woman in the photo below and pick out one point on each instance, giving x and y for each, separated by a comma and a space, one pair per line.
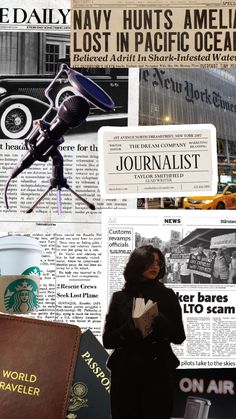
143, 315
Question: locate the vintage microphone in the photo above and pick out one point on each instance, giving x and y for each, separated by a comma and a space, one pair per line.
72, 112
45, 138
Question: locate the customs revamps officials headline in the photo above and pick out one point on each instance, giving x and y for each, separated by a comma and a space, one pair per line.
155, 30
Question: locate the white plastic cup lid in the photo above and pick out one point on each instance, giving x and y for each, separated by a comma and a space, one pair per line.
16, 242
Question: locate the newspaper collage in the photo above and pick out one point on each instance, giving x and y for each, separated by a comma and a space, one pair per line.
168, 146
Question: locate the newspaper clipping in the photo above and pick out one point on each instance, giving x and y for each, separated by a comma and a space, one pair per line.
137, 34
200, 258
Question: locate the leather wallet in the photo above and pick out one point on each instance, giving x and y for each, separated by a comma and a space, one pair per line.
37, 360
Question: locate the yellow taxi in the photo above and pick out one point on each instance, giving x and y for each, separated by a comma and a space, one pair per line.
224, 199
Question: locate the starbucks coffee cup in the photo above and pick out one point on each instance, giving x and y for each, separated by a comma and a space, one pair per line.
19, 255
19, 293
19, 274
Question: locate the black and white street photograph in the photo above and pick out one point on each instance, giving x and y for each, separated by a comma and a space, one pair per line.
199, 256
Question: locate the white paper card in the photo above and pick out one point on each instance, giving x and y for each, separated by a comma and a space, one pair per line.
168, 160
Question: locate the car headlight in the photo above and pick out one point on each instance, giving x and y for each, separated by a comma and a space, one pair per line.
2, 91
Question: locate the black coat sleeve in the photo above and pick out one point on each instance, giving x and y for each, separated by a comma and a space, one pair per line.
119, 330
170, 327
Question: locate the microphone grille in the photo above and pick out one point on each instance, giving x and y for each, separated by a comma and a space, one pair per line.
73, 110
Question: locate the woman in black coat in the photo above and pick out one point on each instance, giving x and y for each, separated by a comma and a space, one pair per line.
142, 368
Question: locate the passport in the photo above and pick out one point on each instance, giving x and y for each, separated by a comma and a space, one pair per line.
37, 361
90, 394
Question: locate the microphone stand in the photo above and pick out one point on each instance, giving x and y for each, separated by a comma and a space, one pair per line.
57, 181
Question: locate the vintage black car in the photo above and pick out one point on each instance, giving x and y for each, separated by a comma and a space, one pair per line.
22, 99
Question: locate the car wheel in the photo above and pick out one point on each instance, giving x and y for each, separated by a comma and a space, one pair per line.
220, 205
16, 121
63, 94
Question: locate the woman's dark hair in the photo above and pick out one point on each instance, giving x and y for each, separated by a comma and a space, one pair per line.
140, 259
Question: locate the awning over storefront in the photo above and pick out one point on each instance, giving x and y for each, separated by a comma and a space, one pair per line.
212, 238
225, 240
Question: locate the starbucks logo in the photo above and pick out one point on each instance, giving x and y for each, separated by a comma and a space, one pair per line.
21, 296
33, 270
